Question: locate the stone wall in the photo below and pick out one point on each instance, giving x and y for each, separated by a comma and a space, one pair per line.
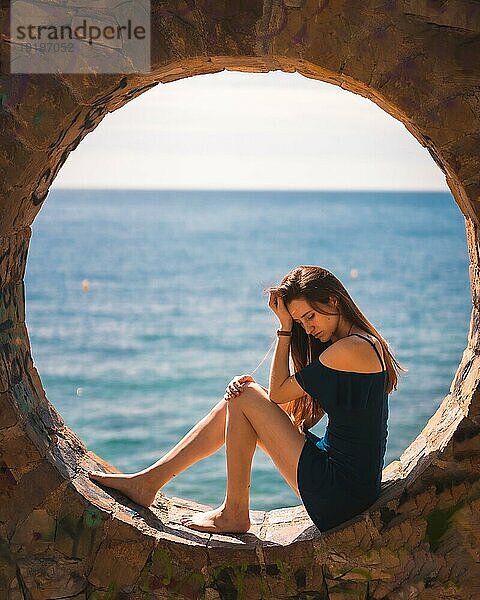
61, 535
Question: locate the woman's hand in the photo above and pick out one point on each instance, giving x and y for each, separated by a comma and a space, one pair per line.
235, 387
276, 303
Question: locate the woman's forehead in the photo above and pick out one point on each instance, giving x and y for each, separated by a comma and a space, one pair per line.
298, 306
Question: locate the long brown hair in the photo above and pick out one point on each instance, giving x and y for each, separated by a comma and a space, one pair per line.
317, 285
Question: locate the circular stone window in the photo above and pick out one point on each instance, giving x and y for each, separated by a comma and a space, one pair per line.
63, 536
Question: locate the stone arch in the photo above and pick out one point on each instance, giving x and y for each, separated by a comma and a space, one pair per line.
60, 535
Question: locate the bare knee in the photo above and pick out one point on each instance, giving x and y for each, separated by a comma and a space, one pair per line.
251, 393
254, 389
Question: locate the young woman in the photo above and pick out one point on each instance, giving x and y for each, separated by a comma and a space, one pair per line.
342, 367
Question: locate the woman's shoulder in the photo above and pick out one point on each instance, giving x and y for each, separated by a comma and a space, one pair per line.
353, 354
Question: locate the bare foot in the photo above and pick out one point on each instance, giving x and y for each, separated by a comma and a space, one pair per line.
217, 521
134, 486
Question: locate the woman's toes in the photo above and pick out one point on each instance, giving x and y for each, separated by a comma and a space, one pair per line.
216, 521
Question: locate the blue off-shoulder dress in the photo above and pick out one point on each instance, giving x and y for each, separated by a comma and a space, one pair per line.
339, 475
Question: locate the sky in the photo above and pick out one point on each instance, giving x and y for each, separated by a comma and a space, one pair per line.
251, 131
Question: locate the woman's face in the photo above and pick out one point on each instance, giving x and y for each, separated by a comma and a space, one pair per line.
315, 323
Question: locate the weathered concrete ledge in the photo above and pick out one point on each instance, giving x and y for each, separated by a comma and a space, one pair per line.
62, 536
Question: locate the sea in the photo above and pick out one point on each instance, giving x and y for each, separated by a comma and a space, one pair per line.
142, 305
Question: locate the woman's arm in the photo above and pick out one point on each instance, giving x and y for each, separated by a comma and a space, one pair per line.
283, 387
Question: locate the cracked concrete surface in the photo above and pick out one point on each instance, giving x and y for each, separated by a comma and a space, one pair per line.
61, 536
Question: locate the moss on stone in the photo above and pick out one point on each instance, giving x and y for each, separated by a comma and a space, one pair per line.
438, 523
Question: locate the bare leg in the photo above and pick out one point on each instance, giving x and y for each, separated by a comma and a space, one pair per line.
205, 438
233, 514
250, 417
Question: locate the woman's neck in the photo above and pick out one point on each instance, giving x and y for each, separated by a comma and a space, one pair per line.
344, 331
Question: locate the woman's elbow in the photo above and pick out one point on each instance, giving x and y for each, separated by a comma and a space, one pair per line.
274, 397
274, 400
278, 397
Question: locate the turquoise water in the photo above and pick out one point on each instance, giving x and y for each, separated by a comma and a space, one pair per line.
176, 309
